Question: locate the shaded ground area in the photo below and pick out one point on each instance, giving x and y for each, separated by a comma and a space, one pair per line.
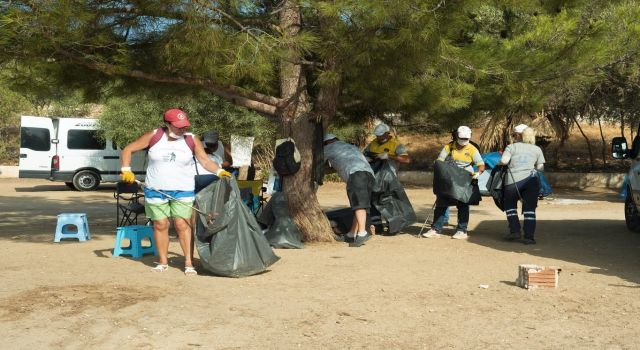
393, 293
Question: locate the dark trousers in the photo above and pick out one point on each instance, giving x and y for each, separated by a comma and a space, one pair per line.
529, 189
439, 215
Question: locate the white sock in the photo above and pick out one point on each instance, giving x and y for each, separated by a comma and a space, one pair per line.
362, 234
351, 234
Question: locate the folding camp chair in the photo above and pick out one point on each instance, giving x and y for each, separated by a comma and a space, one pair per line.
252, 194
128, 203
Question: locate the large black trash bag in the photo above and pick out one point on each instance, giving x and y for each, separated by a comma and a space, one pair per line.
451, 182
229, 240
282, 232
341, 220
495, 185
390, 199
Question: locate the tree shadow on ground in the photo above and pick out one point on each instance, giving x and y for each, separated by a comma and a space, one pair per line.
605, 246
34, 219
57, 187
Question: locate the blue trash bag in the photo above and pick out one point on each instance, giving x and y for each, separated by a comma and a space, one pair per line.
491, 160
545, 187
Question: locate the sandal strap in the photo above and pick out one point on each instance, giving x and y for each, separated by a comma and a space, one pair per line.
160, 268
190, 270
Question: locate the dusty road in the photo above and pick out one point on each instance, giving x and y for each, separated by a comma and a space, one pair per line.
393, 293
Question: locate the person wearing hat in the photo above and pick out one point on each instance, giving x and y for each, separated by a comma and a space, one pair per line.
386, 147
465, 156
524, 160
353, 168
216, 151
170, 169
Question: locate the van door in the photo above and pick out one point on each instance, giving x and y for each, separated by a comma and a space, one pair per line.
36, 148
80, 149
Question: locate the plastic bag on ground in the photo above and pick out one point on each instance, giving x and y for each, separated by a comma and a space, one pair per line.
228, 238
390, 199
282, 231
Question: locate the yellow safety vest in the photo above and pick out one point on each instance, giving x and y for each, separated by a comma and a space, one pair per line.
389, 147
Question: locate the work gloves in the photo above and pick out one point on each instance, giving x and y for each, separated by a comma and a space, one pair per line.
383, 156
223, 173
127, 175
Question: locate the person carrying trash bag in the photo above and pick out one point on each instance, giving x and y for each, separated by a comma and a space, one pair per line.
217, 152
356, 172
462, 155
524, 159
386, 147
169, 184
228, 238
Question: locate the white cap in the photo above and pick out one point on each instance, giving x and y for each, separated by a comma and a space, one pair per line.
328, 137
519, 128
381, 129
464, 132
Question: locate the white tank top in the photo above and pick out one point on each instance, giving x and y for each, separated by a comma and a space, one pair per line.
171, 165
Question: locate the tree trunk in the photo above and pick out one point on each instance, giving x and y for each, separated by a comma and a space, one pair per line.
591, 159
296, 111
604, 143
561, 130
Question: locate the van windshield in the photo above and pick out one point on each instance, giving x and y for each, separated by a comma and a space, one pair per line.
84, 139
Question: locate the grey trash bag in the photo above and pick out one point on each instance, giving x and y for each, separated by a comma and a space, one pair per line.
282, 232
228, 239
390, 199
451, 182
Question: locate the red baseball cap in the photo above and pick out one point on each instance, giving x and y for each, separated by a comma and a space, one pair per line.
177, 118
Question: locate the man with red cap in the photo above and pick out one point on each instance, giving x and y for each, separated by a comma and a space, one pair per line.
170, 171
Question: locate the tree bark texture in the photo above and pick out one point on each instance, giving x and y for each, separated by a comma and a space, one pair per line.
586, 139
295, 115
604, 143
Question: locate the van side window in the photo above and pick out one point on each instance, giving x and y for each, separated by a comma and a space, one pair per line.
37, 139
84, 139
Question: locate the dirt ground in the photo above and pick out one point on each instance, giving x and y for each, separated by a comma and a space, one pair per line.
393, 293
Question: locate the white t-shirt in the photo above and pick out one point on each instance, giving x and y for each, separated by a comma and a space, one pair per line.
217, 156
346, 159
171, 165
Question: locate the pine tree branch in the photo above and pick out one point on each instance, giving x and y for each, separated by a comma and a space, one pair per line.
252, 100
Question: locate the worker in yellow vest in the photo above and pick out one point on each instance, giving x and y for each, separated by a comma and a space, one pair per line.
386, 147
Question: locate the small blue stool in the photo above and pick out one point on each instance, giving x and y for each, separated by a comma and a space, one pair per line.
79, 220
135, 234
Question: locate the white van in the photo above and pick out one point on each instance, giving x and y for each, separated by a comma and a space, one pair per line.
69, 150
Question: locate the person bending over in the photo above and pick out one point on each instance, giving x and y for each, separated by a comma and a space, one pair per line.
354, 169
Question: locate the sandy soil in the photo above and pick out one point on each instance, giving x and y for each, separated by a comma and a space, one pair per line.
393, 293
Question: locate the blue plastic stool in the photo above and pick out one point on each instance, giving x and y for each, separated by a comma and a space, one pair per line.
135, 234
79, 220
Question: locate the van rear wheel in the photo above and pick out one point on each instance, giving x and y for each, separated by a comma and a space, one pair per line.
631, 216
86, 180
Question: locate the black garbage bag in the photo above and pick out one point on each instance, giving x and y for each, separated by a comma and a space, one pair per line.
228, 238
495, 185
451, 182
341, 220
390, 199
281, 232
